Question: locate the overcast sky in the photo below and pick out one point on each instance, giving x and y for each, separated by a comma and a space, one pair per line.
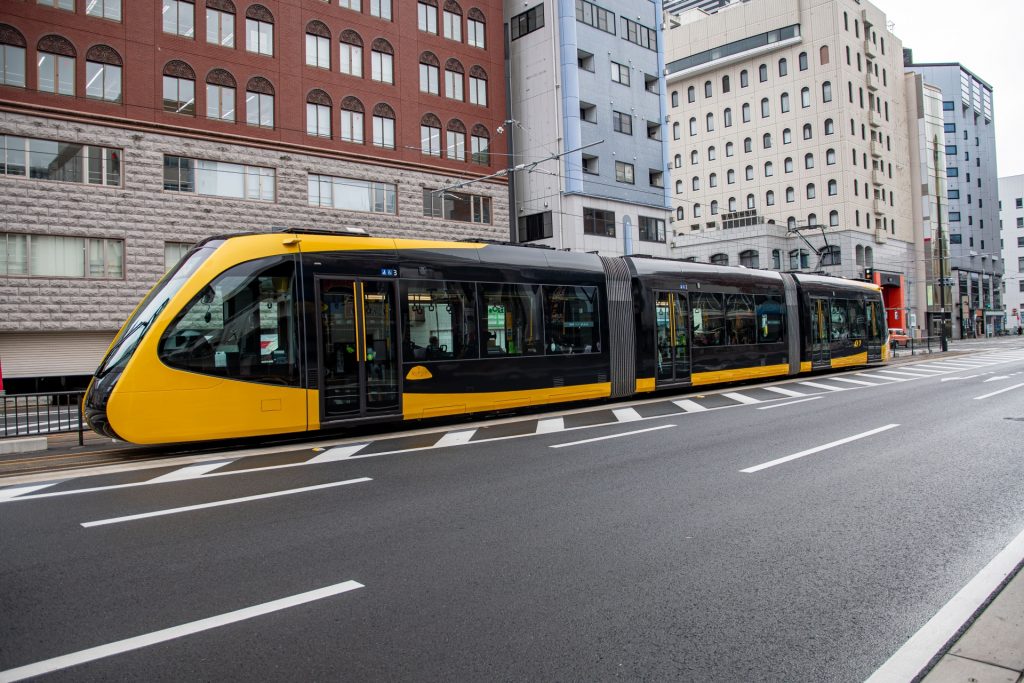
986, 37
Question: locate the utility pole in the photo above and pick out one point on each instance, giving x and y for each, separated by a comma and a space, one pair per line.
943, 343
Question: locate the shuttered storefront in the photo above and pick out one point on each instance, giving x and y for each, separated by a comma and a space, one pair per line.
52, 354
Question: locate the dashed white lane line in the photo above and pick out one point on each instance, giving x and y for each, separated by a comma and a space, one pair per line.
855, 381
127, 645
900, 373
455, 438
339, 453
626, 414
610, 436
220, 503
742, 398
689, 406
789, 403
785, 392
816, 449
551, 424
816, 385
887, 379
907, 662
190, 472
1001, 391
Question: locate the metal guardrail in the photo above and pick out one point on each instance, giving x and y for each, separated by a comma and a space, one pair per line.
916, 346
36, 414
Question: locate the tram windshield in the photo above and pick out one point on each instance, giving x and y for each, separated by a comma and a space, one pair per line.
133, 331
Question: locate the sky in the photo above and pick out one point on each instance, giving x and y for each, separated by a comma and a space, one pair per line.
983, 35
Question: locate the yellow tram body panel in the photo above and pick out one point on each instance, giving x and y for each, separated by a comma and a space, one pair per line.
855, 360
738, 374
415, 406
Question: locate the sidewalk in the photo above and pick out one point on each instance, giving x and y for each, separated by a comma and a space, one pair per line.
992, 648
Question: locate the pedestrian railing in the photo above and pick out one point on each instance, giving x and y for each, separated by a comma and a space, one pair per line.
36, 414
920, 345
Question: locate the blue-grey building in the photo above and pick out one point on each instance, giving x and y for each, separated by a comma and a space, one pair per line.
972, 195
587, 113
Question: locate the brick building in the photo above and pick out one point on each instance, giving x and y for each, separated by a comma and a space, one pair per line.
131, 130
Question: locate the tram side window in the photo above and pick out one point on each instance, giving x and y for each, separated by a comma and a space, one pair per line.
857, 319
771, 319
708, 320
876, 329
240, 326
440, 321
571, 320
840, 325
739, 319
514, 324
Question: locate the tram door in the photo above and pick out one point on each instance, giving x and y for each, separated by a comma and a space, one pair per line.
875, 322
821, 351
358, 350
672, 315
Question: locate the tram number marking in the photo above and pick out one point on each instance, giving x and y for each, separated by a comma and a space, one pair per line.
389, 272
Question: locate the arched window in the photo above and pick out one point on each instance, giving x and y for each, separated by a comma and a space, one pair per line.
750, 201
220, 96
352, 120
714, 207
56, 59
765, 108
769, 198
725, 84
787, 136
696, 210
693, 125
811, 194
694, 157
719, 259
729, 149
744, 79
675, 98
679, 187
259, 30
769, 169
12, 56
859, 255
745, 110
259, 102
791, 223
479, 140
680, 215
713, 180
179, 87
808, 132
749, 259
318, 45
477, 82
103, 73
384, 126
869, 257
350, 53
430, 73
826, 91
430, 135
823, 54
452, 18
833, 188
455, 140
677, 160
730, 176
732, 204
808, 160
748, 145
710, 120
695, 183
784, 102
812, 219
783, 67
691, 94
748, 172
707, 89
787, 165
803, 61
711, 153
382, 61
727, 117
220, 23
777, 258
830, 157
805, 97
762, 73
476, 25
454, 77
790, 195
318, 114
830, 127
833, 221
675, 130
767, 140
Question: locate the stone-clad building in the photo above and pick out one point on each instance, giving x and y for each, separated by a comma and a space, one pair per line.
131, 130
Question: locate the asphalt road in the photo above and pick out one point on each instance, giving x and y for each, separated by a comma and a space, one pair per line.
558, 555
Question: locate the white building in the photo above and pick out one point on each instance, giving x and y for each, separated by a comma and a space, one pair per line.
790, 115
1011, 224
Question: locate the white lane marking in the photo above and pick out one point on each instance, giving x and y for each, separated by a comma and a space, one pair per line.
742, 398
1001, 391
336, 454
128, 644
789, 403
907, 662
455, 438
920, 369
610, 436
190, 472
12, 492
785, 392
219, 503
900, 373
854, 381
689, 406
997, 377
816, 449
821, 386
627, 415
943, 366
551, 424
953, 379
886, 378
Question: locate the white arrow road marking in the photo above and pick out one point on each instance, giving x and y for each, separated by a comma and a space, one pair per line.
455, 438
15, 491
190, 472
336, 454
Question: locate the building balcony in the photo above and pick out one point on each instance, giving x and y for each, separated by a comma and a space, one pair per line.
877, 176
874, 119
881, 236
876, 149
869, 47
872, 82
